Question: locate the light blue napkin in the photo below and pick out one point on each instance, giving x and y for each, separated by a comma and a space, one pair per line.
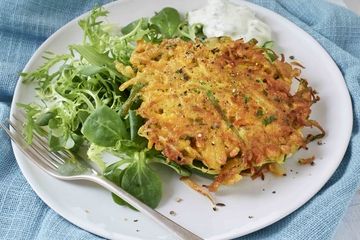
25, 24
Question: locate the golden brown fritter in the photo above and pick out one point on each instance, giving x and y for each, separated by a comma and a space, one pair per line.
221, 102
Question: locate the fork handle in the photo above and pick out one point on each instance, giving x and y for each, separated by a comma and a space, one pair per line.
170, 225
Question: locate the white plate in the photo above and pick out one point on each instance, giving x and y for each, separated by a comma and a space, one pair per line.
91, 208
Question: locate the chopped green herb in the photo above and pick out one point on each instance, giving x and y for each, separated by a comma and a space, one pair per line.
246, 99
259, 112
218, 108
266, 121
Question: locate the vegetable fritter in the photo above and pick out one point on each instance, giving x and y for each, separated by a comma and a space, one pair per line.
222, 103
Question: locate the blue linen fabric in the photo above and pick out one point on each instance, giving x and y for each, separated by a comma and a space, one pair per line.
25, 24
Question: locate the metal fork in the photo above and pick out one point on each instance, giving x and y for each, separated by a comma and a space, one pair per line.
52, 163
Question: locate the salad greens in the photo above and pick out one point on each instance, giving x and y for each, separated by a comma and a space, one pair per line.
166, 21
82, 106
137, 178
104, 127
165, 24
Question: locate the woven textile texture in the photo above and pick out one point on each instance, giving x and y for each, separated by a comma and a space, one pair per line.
25, 24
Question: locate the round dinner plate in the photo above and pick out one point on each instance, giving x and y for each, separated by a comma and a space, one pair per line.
250, 204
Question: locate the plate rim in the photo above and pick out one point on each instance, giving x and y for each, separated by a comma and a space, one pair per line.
233, 234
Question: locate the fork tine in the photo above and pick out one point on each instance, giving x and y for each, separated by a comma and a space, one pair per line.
44, 145
19, 114
45, 157
7, 132
39, 148
32, 155
57, 156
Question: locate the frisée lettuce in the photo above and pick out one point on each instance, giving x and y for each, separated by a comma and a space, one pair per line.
82, 107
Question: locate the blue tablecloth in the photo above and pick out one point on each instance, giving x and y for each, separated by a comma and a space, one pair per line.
25, 24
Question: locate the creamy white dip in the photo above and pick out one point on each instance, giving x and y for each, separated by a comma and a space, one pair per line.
223, 18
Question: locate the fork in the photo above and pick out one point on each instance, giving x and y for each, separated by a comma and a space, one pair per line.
53, 162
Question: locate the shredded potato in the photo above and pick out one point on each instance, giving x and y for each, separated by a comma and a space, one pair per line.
200, 189
223, 103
